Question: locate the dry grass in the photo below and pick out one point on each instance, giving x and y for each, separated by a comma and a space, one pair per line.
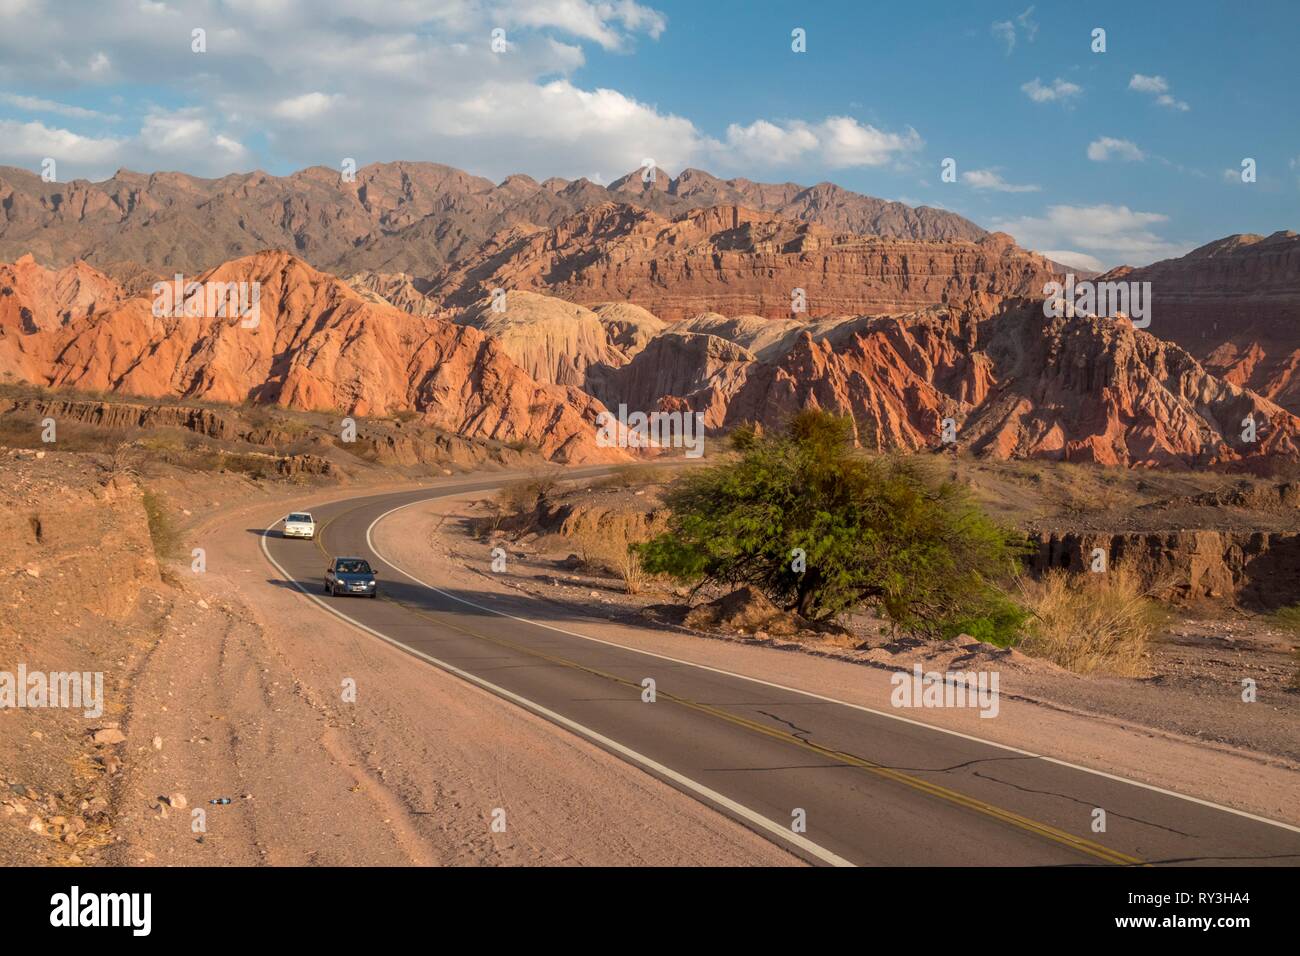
162, 531
1288, 618
607, 541
1091, 623
514, 506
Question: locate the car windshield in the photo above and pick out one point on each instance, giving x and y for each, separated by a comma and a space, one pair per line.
300, 517
353, 566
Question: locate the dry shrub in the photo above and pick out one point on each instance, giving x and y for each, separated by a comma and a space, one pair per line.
1288, 618
606, 539
1091, 623
515, 505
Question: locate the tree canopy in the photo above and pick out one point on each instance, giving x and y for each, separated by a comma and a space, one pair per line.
823, 529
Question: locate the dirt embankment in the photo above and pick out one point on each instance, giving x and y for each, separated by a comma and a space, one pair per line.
273, 442
83, 597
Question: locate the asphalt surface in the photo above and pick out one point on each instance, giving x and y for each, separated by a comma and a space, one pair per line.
869, 787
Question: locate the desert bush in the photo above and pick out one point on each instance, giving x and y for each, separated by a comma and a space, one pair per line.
120, 459
1091, 623
879, 532
612, 541
516, 503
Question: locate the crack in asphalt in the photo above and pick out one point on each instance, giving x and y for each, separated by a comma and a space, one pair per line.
799, 732
1052, 793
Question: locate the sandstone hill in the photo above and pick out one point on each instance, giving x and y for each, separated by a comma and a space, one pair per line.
552, 340
1234, 304
1016, 385
317, 345
733, 260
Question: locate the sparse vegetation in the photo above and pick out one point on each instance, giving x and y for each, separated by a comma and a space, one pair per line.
1091, 623
162, 530
879, 532
516, 503
612, 541
633, 476
1288, 618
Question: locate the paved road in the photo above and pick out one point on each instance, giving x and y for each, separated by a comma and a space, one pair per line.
873, 788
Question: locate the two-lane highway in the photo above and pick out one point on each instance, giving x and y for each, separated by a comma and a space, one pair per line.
868, 786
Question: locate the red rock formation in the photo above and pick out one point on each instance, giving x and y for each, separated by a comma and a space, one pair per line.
733, 260
1235, 305
1017, 384
316, 345
34, 298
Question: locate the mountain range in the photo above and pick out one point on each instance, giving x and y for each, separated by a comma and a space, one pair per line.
517, 312
391, 217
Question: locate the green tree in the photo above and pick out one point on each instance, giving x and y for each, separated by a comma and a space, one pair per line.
822, 529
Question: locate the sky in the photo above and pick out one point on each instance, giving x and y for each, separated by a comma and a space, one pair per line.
1096, 158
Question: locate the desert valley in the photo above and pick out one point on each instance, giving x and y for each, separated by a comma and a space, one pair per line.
890, 460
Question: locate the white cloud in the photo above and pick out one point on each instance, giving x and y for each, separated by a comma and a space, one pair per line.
1005, 31
990, 179
304, 107
36, 104
837, 141
1159, 87
1148, 84
598, 22
1107, 148
1110, 235
26, 144
184, 133
1058, 90
1071, 257
399, 79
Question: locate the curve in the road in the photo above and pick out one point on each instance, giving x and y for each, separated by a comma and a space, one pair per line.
874, 787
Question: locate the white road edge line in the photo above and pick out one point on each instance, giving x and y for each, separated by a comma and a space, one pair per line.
740, 810
806, 693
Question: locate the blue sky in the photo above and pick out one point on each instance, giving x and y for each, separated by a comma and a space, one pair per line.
1130, 155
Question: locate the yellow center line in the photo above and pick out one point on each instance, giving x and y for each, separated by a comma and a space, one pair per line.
1047, 831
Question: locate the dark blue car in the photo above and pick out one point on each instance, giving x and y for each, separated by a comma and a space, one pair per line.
351, 576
